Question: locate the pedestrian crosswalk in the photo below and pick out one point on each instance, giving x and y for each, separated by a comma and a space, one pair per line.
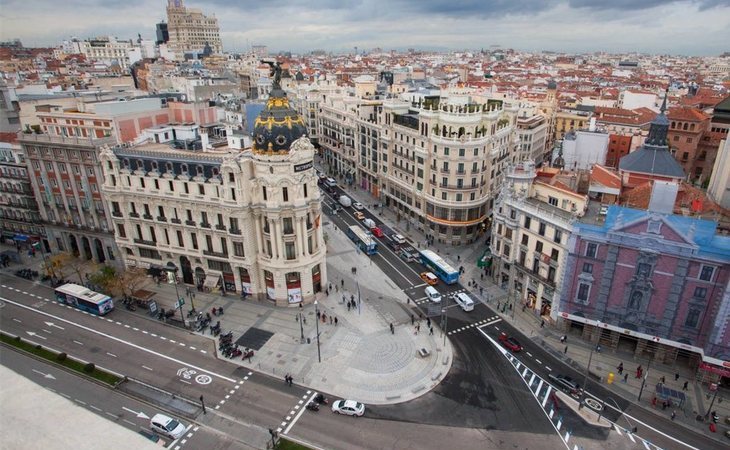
481, 323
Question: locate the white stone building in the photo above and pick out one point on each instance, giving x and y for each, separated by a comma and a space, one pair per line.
532, 223
239, 219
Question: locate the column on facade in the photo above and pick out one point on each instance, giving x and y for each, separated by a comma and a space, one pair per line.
276, 237
259, 234
302, 235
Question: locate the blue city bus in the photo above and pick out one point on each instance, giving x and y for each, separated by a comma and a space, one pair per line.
362, 239
439, 267
84, 299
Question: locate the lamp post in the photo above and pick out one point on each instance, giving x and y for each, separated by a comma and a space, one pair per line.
709, 410
316, 322
643, 381
444, 319
585, 378
180, 300
301, 324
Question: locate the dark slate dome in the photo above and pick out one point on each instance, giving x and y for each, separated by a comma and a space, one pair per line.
278, 125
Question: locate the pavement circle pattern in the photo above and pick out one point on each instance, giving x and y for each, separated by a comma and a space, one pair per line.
383, 354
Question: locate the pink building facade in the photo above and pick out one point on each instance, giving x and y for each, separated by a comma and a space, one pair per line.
652, 284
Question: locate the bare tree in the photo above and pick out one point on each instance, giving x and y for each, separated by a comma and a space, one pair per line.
131, 280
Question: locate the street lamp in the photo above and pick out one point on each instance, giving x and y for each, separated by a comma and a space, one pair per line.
316, 322
585, 378
301, 324
180, 300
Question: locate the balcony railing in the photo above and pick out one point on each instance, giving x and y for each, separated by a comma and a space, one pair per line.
145, 242
162, 218
134, 215
220, 227
117, 214
215, 254
177, 221
234, 231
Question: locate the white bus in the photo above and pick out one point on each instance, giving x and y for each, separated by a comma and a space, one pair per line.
84, 299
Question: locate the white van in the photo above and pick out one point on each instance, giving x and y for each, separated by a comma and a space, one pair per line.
398, 239
433, 295
463, 300
331, 182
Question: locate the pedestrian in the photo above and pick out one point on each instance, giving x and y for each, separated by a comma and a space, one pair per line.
542, 323
458, 258
562, 339
337, 288
348, 306
413, 319
598, 348
291, 380
324, 318
392, 329
662, 379
565, 351
343, 283
481, 290
620, 368
626, 377
430, 331
684, 388
676, 376
674, 413
335, 321
638, 372
330, 286
286, 378
653, 402
331, 321
343, 298
664, 404
428, 322
319, 314
418, 328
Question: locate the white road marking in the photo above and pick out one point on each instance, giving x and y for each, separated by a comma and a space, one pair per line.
186, 382
17, 320
77, 342
148, 368
122, 341
79, 401
113, 415
130, 423
111, 354
538, 361
299, 414
95, 408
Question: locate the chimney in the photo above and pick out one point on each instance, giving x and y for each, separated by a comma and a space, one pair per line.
204, 140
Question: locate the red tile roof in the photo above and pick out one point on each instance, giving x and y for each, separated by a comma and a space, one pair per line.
605, 176
10, 138
685, 113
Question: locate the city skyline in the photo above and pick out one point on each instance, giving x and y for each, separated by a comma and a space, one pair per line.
696, 27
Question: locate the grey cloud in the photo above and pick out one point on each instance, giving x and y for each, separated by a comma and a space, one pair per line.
643, 4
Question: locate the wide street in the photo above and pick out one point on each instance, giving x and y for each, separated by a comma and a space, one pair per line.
483, 400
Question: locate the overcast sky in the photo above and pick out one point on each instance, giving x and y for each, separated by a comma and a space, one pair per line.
689, 27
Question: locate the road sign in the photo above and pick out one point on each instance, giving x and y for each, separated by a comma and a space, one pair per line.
180, 302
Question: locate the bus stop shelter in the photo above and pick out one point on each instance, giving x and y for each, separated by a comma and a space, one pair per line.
663, 392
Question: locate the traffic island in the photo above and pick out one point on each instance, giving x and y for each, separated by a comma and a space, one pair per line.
590, 411
84, 368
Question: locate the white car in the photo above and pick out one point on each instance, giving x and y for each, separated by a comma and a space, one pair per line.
358, 206
348, 407
167, 426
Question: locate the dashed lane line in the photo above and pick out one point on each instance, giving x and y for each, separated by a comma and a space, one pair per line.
122, 341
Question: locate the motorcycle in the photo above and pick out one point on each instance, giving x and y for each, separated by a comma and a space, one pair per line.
321, 399
235, 352
312, 406
248, 354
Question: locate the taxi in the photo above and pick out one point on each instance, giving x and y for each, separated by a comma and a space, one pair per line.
358, 215
429, 278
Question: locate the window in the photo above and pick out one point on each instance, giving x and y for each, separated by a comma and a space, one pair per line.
305, 191
171, 185
558, 236
693, 318
180, 239
554, 255
187, 189
512, 214
121, 231
194, 240
553, 201
201, 189
538, 247
289, 250
263, 188
506, 250
541, 229
584, 290
234, 223
285, 194
706, 273
288, 227
528, 222
587, 268
700, 292
462, 152
238, 249
525, 240
591, 250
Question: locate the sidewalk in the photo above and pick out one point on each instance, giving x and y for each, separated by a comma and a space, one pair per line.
578, 356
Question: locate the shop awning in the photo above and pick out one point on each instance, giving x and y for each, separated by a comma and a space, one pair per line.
20, 237
211, 281
8, 234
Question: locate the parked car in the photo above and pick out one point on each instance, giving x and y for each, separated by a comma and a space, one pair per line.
358, 206
510, 343
565, 384
348, 407
377, 232
167, 426
358, 215
429, 278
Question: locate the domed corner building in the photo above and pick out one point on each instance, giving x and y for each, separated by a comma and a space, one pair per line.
286, 208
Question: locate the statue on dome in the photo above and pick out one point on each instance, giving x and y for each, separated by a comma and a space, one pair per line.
275, 72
